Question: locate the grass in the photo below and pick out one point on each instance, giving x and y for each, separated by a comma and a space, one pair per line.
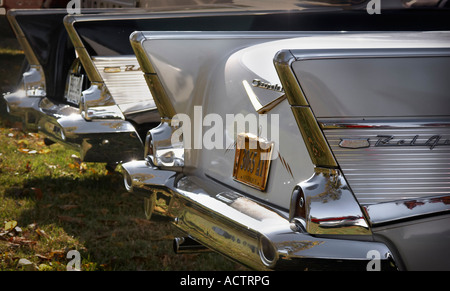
52, 203
58, 204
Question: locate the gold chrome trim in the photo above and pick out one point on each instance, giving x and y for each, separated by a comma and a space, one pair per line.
34, 78
82, 53
27, 49
162, 101
283, 61
136, 39
313, 137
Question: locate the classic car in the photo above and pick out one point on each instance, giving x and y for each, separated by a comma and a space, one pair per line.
49, 99
316, 146
84, 87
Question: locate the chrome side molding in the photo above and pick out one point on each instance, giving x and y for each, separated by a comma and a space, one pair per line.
388, 212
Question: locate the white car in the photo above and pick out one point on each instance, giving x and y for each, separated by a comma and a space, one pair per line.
303, 149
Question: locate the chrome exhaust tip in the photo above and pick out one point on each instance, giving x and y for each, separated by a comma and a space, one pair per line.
267, 252
127, 181
186, 245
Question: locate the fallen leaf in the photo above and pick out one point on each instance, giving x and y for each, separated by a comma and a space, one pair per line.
42, 233
10, 225
159, 209
76, 159
57, 253
33, 134
21, 241
44, 151
23, 143
42, 257
83, 167
73, 166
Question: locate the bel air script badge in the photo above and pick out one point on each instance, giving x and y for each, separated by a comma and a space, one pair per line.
392, 141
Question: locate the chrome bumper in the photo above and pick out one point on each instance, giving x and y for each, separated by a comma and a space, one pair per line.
19, 105
107, 140
242, 229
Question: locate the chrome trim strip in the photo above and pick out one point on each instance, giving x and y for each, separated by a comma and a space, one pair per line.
320, 54
384, 123
390, 212
244, 230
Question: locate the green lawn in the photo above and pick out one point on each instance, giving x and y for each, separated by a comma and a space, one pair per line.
52, 203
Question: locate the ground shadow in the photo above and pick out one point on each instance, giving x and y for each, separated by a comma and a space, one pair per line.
108, 223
